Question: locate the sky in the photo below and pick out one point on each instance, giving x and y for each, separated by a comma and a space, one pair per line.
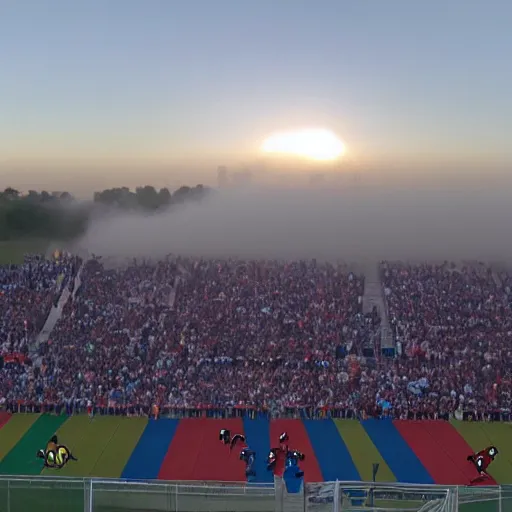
99, 93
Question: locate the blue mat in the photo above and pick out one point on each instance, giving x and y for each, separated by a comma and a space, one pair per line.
396, 452
331, 452
146, 459
257, 434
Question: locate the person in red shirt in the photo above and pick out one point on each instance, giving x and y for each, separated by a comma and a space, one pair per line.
482, 461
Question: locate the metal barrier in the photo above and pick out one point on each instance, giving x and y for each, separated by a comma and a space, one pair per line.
61, 494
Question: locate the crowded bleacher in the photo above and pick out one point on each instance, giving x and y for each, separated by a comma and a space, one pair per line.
27, 293
453, 327
217, 337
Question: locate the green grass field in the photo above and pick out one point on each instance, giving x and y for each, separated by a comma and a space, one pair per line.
12, 251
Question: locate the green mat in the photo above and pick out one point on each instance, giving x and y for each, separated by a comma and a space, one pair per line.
71, 434
14, 430
363, 451
115, 456
479, 435
102, 445
87, 439
21, 460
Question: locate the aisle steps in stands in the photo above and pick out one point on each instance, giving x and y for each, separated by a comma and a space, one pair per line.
373, 296
54, 316
172, 295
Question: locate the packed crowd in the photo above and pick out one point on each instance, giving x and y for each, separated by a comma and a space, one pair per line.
187, 333
265, 333
453, 328
27, 293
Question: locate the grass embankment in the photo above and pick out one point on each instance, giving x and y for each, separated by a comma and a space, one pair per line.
12, 251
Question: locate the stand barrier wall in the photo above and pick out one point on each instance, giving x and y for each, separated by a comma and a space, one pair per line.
61, 494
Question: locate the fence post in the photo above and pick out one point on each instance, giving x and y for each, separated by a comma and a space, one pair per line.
176, 499
91, 496
8, 495
500, 497
336, 496
87, 498
456, 500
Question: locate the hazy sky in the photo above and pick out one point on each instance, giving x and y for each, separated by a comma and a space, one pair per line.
96, 91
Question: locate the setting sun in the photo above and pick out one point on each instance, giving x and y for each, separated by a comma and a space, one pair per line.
315, 144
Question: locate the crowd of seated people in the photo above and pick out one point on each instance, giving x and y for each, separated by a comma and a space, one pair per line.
264, 334
188, 333
27, 294
453, 327
104, 346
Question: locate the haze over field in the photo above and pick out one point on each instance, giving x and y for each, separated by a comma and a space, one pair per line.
93, 95
411, 100
357, 224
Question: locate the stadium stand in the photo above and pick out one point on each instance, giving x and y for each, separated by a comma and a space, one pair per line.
255, 342
296, 329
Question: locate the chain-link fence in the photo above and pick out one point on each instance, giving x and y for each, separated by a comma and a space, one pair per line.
54, 494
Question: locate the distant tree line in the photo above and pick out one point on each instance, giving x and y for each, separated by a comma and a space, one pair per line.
58, 216
148, 198
40, 215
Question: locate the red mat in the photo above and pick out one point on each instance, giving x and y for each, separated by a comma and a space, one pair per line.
299, 440
195, 452
456, 447
440, 466
441, 450
4, 418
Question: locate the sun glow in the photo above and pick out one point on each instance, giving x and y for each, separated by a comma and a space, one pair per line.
315, 144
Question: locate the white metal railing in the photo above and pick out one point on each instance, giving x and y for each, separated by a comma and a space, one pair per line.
65, 494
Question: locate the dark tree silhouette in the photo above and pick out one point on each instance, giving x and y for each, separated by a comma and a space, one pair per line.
45, 215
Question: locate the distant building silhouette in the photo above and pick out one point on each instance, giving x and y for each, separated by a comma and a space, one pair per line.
222, 176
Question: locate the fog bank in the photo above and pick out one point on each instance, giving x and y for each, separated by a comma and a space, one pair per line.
357, 224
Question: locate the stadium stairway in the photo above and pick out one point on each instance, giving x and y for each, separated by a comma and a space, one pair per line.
257, 433
396, 452
172, 295
373, 296
331, 452
54, 316
299, 440
149, 454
